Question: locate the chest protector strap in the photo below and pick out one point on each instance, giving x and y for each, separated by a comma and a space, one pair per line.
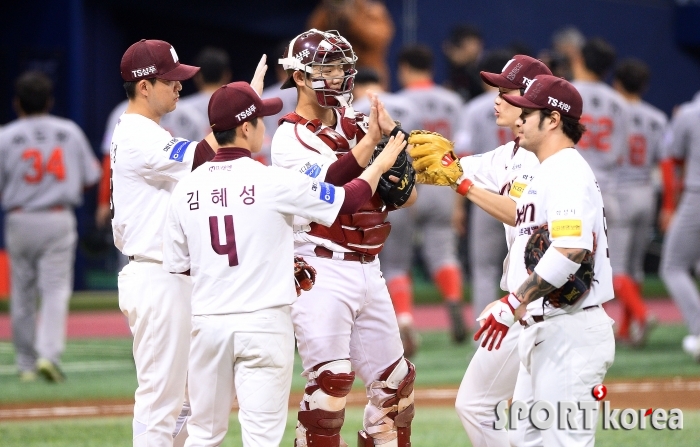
366, 230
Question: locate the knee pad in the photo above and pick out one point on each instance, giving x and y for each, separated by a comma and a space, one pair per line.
323, 408
390, 409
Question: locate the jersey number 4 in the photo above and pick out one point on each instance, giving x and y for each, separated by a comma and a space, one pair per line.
229, 248
54, 165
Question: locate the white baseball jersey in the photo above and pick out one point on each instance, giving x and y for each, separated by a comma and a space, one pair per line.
478, 131
289, 103
683, 143
230, 223
604, 143
288, 152
400, 109
647, 126
147, 162
518, 169
183, 122
45, 161
565, 196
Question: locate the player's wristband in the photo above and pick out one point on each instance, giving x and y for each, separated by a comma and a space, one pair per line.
463, 187
512, 300
555, 268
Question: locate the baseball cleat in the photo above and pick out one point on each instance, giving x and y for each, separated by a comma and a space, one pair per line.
691, 346
50, 371
27, 376
639, 332
410, 339
458, 329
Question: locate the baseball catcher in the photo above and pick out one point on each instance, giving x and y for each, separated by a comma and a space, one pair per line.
578, 284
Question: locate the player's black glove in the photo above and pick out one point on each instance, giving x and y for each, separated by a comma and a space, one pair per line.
395, 194
578, 284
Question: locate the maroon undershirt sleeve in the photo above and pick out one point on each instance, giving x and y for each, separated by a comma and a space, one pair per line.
343, 170
357, 193
202, 154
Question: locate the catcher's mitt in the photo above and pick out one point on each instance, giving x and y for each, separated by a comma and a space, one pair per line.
434, 159
304, 275
578, 284
398, 193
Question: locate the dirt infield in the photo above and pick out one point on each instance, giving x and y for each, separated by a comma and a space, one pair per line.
642, 394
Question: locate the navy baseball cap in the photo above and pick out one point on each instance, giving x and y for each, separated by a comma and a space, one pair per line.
550, 92
517, 73
233, 104
154, 59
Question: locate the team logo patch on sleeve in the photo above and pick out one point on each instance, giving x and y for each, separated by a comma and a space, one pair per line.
313, 170
567, 227
178, 151
327, 192
517, 189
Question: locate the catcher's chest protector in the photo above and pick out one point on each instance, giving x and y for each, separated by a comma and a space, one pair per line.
366, 230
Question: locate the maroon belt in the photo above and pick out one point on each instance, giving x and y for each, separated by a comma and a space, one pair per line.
540, 318
362, 258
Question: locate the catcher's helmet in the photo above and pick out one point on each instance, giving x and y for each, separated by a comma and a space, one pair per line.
314, 47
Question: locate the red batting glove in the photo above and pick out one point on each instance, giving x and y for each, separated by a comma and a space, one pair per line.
500, 318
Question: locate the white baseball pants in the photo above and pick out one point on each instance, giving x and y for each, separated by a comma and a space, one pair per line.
157, 304
248, 356
563, 358
490, 379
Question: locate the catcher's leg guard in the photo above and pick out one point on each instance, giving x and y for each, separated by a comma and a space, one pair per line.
390, 410
323, 409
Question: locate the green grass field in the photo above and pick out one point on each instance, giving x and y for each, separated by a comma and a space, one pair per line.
103, 368
432, 427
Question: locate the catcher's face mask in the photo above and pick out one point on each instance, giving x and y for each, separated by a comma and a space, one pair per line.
329, 62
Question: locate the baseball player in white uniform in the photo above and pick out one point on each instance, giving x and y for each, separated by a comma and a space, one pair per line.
681, 250
432, 216
506, 170
479, 131
396, 257
183, 122
345, 324
565, 349
630, 238
147, 162
45, 162
230, 225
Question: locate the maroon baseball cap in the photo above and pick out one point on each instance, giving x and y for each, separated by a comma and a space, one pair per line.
517, 73
550, 92
154, 59
233, 104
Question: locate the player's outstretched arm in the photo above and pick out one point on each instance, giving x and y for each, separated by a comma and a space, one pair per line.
500, 207
258, 82
364, 150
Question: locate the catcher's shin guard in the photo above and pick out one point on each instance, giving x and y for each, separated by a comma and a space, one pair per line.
323, 409
390, 410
